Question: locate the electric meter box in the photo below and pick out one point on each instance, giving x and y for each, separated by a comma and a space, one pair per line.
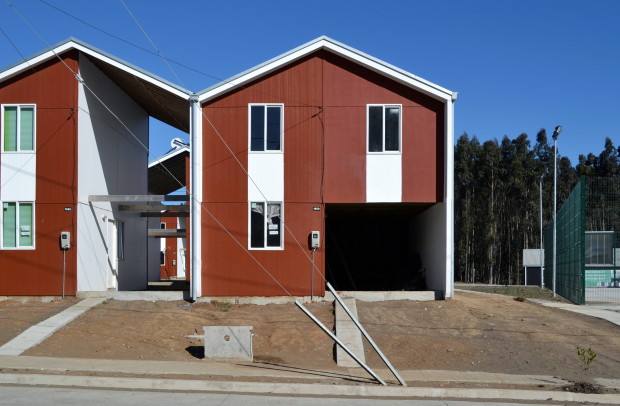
315, 239
65, 240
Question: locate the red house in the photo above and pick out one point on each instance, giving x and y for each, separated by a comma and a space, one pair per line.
325, 139
323, 164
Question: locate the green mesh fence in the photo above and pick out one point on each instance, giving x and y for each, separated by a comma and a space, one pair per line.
603, 240
570, 247
588, 243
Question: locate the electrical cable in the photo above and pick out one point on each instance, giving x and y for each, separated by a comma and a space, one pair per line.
220, 80
81, 80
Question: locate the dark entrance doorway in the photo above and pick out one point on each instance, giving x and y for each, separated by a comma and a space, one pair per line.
369, 247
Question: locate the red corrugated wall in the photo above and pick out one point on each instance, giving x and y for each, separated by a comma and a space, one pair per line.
168, 270
54, 90
325, 100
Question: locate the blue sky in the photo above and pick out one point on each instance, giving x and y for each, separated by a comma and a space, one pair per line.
518, 66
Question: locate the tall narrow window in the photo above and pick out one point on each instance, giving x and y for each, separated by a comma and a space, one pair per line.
17, 225
265, 225
266, 127
120, 240
18, 128
384, 128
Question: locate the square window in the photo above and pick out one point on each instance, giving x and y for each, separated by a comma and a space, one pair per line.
384, 128
266, 225
17, 225
266, 127
18, 128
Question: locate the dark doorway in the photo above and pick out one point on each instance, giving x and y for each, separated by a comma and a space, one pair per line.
368, 247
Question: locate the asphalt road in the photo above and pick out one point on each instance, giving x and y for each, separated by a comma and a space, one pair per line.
47, 396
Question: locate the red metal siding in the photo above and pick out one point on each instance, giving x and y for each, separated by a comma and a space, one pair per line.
227, 268
325, 100
230, 271
54, 90
169, 269
348, 88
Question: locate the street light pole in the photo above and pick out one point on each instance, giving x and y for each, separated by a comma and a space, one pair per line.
542, 273
556, 132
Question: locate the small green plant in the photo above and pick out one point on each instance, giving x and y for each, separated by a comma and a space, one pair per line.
222, 306
586, 357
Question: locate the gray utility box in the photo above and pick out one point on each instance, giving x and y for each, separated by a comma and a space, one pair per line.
228, 342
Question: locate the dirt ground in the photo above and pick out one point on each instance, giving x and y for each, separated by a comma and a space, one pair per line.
16, 317
471, 332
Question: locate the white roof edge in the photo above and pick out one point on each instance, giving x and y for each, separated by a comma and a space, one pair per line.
73, 43
343, 50
169, 155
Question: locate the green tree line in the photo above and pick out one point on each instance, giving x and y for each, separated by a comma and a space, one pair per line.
497, 211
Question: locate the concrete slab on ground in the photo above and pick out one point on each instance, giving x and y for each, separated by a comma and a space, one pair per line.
349, 334
35, 334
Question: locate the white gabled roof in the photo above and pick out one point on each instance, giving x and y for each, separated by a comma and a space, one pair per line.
337, 48
159, 97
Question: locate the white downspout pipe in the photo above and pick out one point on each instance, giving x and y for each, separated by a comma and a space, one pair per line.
195, 155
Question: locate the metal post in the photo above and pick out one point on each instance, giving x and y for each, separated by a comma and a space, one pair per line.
542, 273
366, 335
555, 204
340, 343
556, 132
64, 268
312, 276
194, 189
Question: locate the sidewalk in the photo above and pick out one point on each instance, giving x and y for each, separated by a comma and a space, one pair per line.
273, 379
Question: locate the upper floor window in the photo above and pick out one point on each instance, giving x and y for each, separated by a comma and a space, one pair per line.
17, 225
384, 128
266, 127
18, 128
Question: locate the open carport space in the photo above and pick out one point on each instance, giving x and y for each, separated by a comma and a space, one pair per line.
373, 247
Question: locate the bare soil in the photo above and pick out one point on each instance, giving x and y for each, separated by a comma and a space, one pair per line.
471, 332
16, 317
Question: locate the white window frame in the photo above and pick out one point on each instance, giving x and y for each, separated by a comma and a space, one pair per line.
265, 151
34, 128
32, 228
266, 230
400, 129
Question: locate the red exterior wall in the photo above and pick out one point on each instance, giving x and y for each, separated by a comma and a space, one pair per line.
169, 269
348, 89
54, 90
325, 100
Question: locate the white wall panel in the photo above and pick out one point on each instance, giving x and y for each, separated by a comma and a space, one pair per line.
384, 179
110, 161
429, 240
267, 171
18, 173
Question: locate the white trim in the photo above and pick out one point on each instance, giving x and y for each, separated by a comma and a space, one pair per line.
34, 127
32, 229
347, 52
91, 51
266, 248
265, 150
196, 189
169, 155
449, 195
400, 128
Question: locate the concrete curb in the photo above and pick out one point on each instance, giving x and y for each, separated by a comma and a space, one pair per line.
37, 333
301, 389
